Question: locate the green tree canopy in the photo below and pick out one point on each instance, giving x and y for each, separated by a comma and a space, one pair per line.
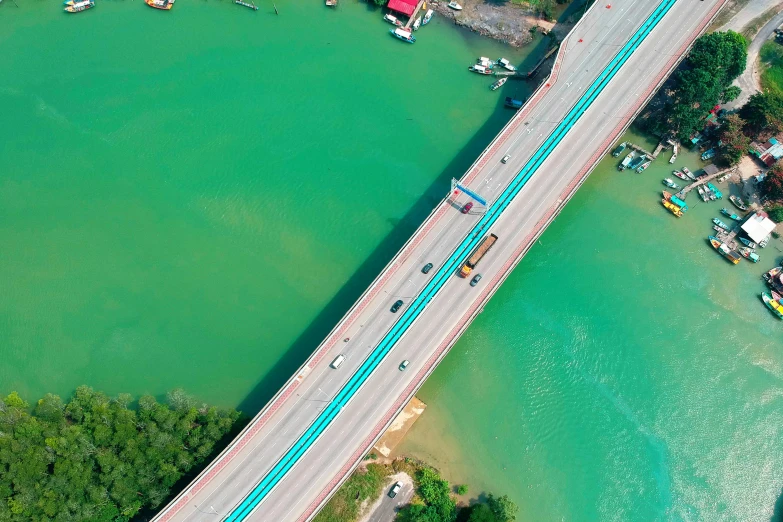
763, 113
734, 143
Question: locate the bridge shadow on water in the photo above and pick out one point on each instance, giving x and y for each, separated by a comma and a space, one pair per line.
402, 229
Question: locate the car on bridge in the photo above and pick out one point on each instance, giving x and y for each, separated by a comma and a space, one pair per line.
396, 306
404, 364
475, 280
426, 268
467, 207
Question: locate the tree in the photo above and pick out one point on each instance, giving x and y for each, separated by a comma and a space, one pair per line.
735, 143
723, 53
763, 113
462, 489
772, 186
481, 513
503, 508
380, 3
776, 213
730, 93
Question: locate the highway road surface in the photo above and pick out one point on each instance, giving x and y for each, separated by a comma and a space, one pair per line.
306, 441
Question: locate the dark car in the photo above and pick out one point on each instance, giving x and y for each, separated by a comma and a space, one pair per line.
475, 280
426, 268
467, 207
396, 306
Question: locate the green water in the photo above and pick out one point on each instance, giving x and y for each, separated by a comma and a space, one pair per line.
193, 198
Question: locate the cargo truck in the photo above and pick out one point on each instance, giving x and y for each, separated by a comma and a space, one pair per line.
477, 254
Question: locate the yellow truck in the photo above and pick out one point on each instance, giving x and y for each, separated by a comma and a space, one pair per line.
477, 254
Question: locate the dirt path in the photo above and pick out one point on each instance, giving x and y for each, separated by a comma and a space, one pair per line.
384, 509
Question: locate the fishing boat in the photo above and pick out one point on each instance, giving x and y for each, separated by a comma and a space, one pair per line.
483, 60
331, 3
714, 189
674, 154
703, 195
719, 230
709, 193
679, 202
764, 242
392, 20
480, 69
78, 7
680, 175
721, 224
708, 155
637, 162
160, 4
688, 173
749, 254
498, 84
514, 104
641, 168
770, 274
455, 6
427, 17
417, 23
747, 242
403, 35
618, 150
671, 207
506, 65
669, 183
724, 177
726, 212
773, 305
626, 161
724, 250
738, 202
776, 296
253, 6
666, 195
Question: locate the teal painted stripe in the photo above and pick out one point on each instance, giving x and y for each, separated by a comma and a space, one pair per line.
297, 450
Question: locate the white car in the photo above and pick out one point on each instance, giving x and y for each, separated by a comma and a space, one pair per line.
404, 364
395, 489
505, 158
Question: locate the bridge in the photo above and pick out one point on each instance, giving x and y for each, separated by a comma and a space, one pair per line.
306, 441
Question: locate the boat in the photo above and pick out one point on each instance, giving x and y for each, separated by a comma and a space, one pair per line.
641, 168
708, 155
637, 162
486, 62
506, 65
773, 305
331, 3
160, 4
726, 212
680, 203
674, 154
618, 150
688, 173
626, 161
417, 23
724, 250
738, 202
770, 275
498, 84
674, 209
747, 242
669, 183
680, 175
764, 242
709, 193
480, 69
403, 35
514, 104
713, 188
749, 254
721, 224
719, 230
724, 177
427, 17
455, 6
703, 195
392, 20
666, 195
776, 296
255, 7
78, 7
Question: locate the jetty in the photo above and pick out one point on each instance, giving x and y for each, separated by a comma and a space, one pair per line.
531, 72
712, 173
637, 148
413, 16
252, 6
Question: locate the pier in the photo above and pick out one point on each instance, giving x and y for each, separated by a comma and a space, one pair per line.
413, 16
705, 179
637, 148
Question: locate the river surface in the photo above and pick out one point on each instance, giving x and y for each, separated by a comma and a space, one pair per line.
193, 198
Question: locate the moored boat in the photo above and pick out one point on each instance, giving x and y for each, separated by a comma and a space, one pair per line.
776, 296
427, 17
709, 193
160, 4
637, 162
506, 65
764, 242
680, 203
773, 305
417, 23
747, 242
688, 173
403, 35
738, 202
641, 168
724, 177
749, 254
79, 6
724, 250
703, 195
721, 224
618, 150
671, 207
680, 175
626, 161
392, 20
770, 274
709, 154
674, 154
726, 212
455, 6
669, 183
514, 104
498, 84
480, 69
714, 189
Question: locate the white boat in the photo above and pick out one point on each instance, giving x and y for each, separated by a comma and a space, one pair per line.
674, 154
506, 65
392, 20
427, 17
498, 84
483, 60
688, 173
455, 6
403, 35
480, 69
417, 23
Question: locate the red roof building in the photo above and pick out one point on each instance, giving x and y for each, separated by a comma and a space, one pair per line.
405, 7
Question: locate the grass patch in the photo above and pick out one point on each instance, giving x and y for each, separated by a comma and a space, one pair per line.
755, 25
361, 486
771, 56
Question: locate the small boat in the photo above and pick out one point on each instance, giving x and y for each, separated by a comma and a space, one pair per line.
483, 60
641, 168
680, 175
455, 6
669, 183
255, 7
626, 161
618, 150
480, 69
726, 212
738, 202
392, 20
666, 195
403, 35
776, 296
160, 4
498, 84
427, 17
514, 104
724, 250
719, 230
417, 23
773, 305
770, 275
714, 189
674, 155
709, 193
688, 173
708, 155
679, 202
764, 242
747, 242
331, 3
637, 162
721, 224
506, 65
703, 195
749, 254
724, 177
78, 7
671, 207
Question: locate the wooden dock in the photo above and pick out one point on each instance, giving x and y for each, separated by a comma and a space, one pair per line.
705, 179
637, 148
413, 16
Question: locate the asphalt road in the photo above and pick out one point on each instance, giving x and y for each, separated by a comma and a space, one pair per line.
586, 52
387, 507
